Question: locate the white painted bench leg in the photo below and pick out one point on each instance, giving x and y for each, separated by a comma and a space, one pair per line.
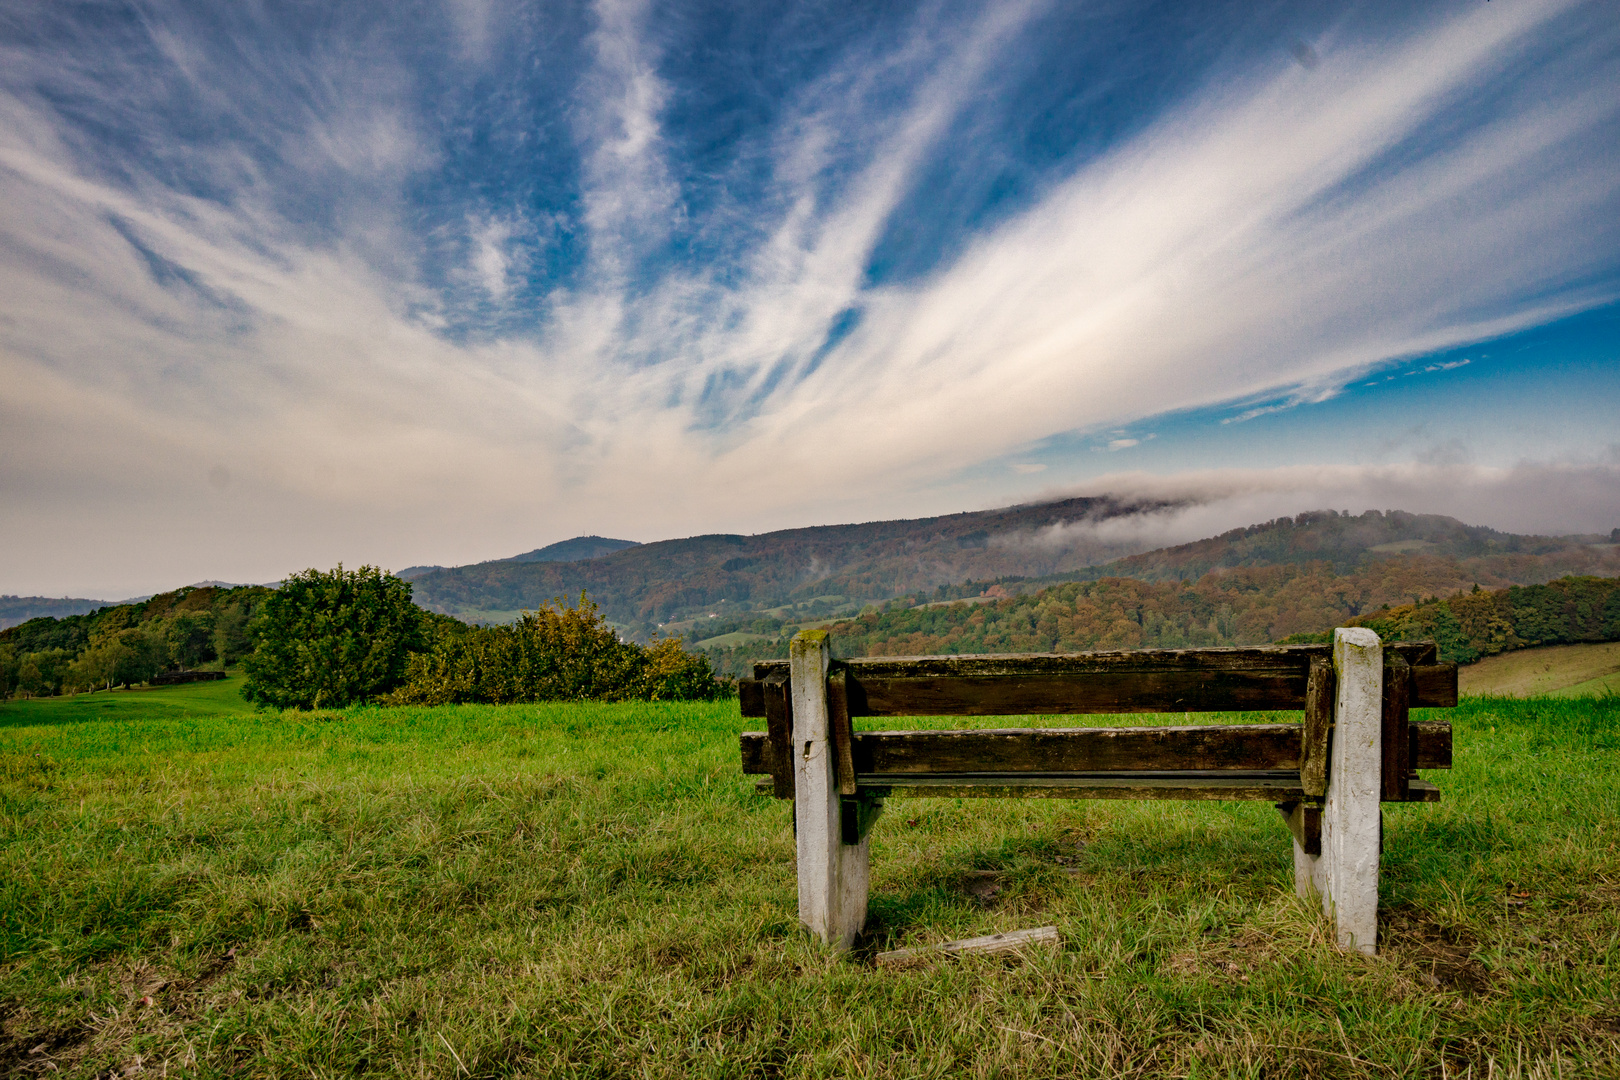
1345, 875
832, 874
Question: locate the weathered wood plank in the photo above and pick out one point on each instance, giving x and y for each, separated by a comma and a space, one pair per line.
756, 753
1395, 770
1085, 693
1270, 786
1148, 680
1274, 786
858, 813
1434, 686
1431, 744
1345, 875
1421, 791
833, 876
991, 943
1304, 821
750, 697
1416, 652
1093, 749
777, 691
838, 723
1316, 733
1279, 657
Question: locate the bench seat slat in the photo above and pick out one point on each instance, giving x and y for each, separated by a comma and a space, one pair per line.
1267, 786
1092, 749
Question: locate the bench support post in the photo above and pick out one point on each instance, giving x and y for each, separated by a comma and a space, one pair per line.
1345, 874
832, 874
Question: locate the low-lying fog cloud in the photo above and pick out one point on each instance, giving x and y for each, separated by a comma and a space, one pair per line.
1544, 499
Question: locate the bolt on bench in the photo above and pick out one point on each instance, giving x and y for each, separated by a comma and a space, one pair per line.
1357, 748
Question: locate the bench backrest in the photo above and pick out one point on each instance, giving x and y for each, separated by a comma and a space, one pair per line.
1295, 677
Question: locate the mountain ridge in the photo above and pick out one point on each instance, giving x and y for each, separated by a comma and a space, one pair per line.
664, 584
653, 583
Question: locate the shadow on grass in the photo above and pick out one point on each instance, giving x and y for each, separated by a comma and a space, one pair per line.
1039, 878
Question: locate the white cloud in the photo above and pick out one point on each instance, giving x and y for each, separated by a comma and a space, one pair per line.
492, 260
1261, 244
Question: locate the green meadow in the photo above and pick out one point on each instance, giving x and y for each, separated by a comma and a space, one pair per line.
190, 888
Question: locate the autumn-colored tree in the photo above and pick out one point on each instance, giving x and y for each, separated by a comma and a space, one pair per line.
559, 653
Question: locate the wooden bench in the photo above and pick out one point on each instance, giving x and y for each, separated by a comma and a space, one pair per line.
1356, 748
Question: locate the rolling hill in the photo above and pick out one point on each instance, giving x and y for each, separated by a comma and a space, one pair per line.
642, 586
820, 572
1585, 670
580, 547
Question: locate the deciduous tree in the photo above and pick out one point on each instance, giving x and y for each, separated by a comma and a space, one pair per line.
332, 638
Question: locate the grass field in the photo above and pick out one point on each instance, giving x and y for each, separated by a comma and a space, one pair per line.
729, 641
596, 891
222, 698
1562, 670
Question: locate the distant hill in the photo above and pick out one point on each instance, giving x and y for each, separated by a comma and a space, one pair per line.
1292, 576
642, 586
840, 568
575, 550
16, 610
1342, 541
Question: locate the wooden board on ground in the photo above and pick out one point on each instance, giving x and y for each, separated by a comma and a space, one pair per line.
990, 943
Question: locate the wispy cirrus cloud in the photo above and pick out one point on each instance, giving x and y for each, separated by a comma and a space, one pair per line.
239, 244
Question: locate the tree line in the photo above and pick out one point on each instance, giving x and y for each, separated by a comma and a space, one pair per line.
328, 639
124, 644
1480, 623
333, 638
1400, 598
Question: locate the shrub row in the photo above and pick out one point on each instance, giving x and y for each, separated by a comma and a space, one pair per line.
554, 654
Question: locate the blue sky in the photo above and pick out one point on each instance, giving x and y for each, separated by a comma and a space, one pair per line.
284, 284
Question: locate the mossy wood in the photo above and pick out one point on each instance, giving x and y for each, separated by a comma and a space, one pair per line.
1316, 730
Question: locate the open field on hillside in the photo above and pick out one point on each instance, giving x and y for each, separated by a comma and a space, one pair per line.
589, 890
141, 702
1564, 670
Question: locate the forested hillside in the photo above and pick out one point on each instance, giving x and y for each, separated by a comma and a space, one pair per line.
738, 579
126, 643
1241, 607
1482, 623
16, 610
643, 586
1245, 604
1344, 542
